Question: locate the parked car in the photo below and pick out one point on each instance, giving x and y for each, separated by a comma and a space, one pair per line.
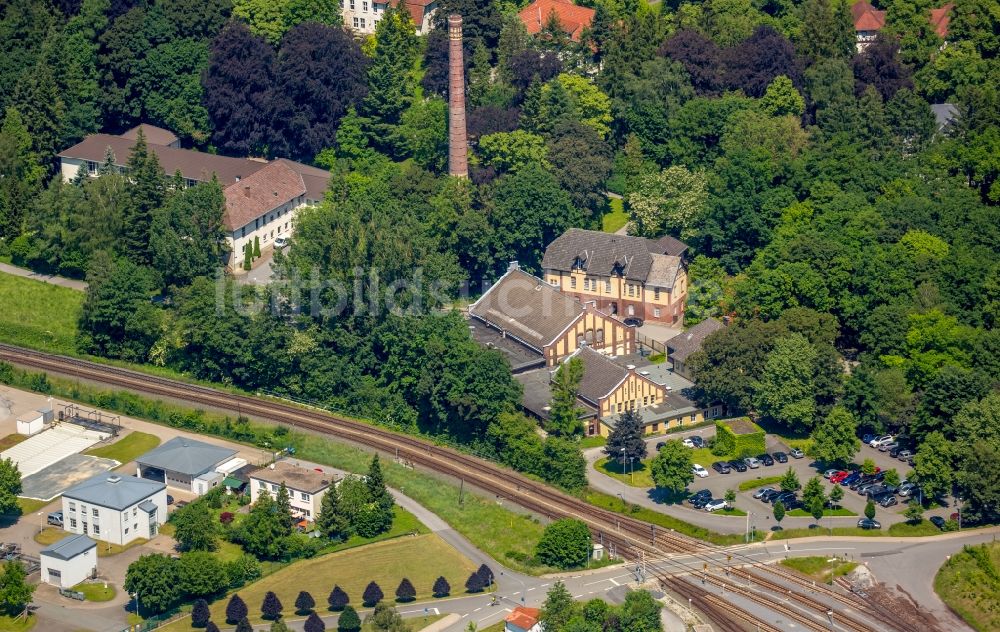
660, 445
796, 453
903, 455
738, 465
769, 495
170, 499
908, 489
280, 242
848, 480
701, 501
697, 441
839, 476
863, 488
793, 503
56, 518
894, 452
867, 523
766, 459
937, 521
633, 322
867, 438
687, 443
888, 500
784, 497
829, 473
721, 467
780, 457
888, 447
884, 439
715, 504
699, 471
701, 493
752, 462
762, 491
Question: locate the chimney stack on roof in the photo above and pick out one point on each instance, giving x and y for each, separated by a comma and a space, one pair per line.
246, 190
458, 144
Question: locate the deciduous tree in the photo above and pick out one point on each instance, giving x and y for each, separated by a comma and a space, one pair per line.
671, 467
155, 579
564, 544
15, 591
349, 620
201, 574
10, 487
834, 439
558, 607
195, 528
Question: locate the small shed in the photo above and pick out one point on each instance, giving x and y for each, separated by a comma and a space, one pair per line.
204, 483
69, 561
47, 415
30, 423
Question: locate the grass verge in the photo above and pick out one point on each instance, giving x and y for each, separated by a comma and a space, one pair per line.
613, 221
921, 528
51, 535
613, 503
593, 442
11, 440
839, 511
39, 315
31, 505
635, 474
12, 624
820, 567
421, 559
968, 582
758, 482
96, 592
732, 511
788, 534
127, 448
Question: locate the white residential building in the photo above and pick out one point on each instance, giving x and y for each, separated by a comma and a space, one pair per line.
69, 561
305, 487
115, 508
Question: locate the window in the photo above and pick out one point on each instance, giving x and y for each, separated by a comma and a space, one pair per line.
72, 506
134, 511
631, 310
607, 286
656, 427
693, 416
364, 7
580, 340
600, 336
572, 283
362, 23
72, 523
631, 289
274, 487
243, 232
94, 512
263, 485
126, 530
97, 529
190, 183
355, 20
656, 312
91, 168
645, 400
305, 496
590, 336
352, 7
656, 294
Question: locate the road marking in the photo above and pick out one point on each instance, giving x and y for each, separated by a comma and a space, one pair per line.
532, 588
544, 585
612, 580
477, 609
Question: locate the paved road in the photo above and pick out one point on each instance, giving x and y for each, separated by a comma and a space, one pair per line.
45, 278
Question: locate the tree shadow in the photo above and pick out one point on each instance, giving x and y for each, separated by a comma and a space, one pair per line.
666, 496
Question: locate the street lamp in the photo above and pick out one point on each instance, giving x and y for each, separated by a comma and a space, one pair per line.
749, 515
623, 467
631, 470
829, 614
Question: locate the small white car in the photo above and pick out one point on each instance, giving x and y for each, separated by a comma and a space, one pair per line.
280, 242
883, 440
687, 443
715, 504
699, 471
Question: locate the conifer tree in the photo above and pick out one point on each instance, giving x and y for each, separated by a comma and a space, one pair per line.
200, 614
338, 599
271, 607
304, 602
146, 195
372, 595
405, 592
625, 441
331, 522
236, 609
441, 587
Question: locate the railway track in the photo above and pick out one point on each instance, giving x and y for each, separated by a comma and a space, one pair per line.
633, 539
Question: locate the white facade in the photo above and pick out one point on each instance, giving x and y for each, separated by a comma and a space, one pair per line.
30, 423
278, 222
362, 16
69, 573
112, 525
304, 504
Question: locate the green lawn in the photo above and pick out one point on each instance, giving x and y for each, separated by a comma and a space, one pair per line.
38, 315
732, 511
127, 448
919, 529
10, 624
636, 474
617, 218
421, 559
95, 591
819, 567
50, 535
968, 584
614, 503
787, 534
593, 442
759, 482
839, 511
31, 505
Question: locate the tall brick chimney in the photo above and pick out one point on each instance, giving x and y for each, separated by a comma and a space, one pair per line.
458, 144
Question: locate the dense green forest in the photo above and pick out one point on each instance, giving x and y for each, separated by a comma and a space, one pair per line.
851, 239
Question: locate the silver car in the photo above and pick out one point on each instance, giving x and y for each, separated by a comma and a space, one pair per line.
752, 462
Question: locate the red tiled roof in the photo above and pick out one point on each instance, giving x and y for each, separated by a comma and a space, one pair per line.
154, 135
524, 618
866, 17
416, 8
266, 189
940, 19
572, 18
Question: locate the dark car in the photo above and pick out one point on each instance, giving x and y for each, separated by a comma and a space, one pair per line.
721, 467
660, 445
784, 497
699, 495
797, 454
867, 523
937, 521
864, 487
633, 322
769, 495
738, 465
766, 459
697, 441
793, 503
849, 480
780, 457
170, 499
894, 453
701, 501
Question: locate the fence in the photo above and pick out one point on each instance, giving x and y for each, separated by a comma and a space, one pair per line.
653, 345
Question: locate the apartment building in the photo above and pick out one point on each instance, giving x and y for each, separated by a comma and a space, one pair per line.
362, 16
305, 487
115, 508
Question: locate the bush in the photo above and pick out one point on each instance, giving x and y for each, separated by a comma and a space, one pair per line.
226, 517
338, 599
314, 624
441, 587
564, 544
304, 602
738, 437
242, 570
349, 621
372, 595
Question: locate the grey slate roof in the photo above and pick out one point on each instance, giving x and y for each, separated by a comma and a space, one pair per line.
148, 506
186, 456
684, 344
601, 374
944, 114
607, 254
527, 308
69, 547
114, 491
